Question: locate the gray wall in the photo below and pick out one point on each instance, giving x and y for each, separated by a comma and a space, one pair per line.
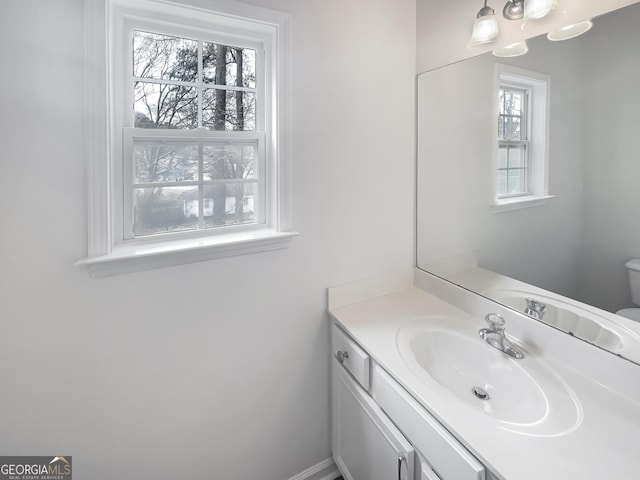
214, 370
578, 242
541, 245
611, 207
455, 129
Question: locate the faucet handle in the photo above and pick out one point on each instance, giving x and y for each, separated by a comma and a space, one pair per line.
495, 321
535, 305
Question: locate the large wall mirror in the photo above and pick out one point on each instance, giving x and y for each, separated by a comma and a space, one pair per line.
544, 220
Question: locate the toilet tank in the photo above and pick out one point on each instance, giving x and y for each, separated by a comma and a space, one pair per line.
634, 279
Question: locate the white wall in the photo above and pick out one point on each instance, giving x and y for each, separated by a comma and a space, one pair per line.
612, 171
444, 28
210, 370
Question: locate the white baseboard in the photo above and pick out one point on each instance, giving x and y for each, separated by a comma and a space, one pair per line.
325, 470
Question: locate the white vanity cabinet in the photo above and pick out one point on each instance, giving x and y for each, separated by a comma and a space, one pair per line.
366, 445
380, 432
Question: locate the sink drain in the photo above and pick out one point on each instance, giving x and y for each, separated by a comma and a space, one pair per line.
480, 393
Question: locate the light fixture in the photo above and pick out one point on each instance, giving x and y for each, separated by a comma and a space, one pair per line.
570, 31
536, 9
485, 28
513, 50
513, 10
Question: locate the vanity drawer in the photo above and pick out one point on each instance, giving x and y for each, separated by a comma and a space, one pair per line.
448, 457
354, 359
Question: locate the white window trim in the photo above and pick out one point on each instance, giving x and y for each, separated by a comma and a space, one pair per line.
106, 255
539, 114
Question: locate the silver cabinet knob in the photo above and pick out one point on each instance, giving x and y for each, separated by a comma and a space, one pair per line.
342, 356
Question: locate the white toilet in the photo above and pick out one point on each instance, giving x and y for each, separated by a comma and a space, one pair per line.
633, 266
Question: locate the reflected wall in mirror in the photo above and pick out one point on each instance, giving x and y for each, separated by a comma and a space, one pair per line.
568, 248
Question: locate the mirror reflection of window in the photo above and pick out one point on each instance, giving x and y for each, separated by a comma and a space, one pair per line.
521, 163
513, 141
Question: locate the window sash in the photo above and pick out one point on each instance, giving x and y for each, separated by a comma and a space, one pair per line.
507, 142
201, 138
525, 146
524, 111
266, 194
261, 89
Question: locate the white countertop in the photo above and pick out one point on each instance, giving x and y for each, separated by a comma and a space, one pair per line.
604, 445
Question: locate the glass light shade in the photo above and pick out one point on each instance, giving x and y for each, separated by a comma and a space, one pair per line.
535, 9
485, 30
513, 50
570, 31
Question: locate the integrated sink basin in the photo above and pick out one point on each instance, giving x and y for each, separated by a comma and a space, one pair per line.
524, 395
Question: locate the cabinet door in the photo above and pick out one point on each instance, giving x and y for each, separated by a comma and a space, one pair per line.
424, 469
448, 457
366, 445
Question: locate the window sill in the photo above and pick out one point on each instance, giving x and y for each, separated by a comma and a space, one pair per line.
517, 203
133, 258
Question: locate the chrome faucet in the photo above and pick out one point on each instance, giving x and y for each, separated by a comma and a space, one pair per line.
494, 336
535, 308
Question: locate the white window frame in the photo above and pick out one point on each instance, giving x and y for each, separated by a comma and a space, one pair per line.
107, 23
537, 86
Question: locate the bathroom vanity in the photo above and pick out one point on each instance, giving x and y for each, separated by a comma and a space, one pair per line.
368, 404
418, 395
